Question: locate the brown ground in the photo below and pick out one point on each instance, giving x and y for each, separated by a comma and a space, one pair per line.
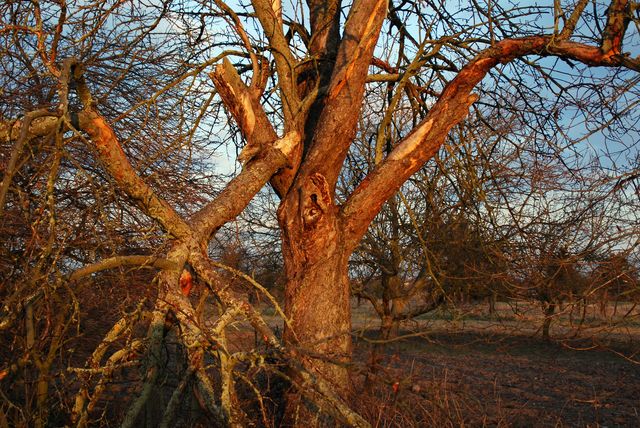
467, 369
490, 375
511, 380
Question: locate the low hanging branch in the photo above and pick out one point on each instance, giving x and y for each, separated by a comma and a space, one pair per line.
118, 261
258, 287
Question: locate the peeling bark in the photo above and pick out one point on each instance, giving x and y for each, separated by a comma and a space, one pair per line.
244, 105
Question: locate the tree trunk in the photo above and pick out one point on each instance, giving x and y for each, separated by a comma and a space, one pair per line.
317, 303
548, 315
398, 313
492, 304
317, 290
603, 303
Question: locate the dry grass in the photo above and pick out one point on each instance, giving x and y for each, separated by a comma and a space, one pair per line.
466, 368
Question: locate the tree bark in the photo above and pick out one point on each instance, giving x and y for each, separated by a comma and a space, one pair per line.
493, 297
548, 316
317, 292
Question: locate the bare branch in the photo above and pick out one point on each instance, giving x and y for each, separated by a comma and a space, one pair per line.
425, 140
244, 105
109, 151
117, 261
337, 122
271, 22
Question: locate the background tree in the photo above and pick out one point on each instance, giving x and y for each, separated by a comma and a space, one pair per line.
615, 278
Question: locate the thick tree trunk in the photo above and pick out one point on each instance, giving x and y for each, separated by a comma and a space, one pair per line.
317, 303
317, 291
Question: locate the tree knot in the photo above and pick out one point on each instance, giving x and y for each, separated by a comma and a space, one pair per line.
315, 199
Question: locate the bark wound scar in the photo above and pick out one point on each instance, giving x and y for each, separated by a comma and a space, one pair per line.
249, 116
251, 150
288, 143
316, 199
412, 142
